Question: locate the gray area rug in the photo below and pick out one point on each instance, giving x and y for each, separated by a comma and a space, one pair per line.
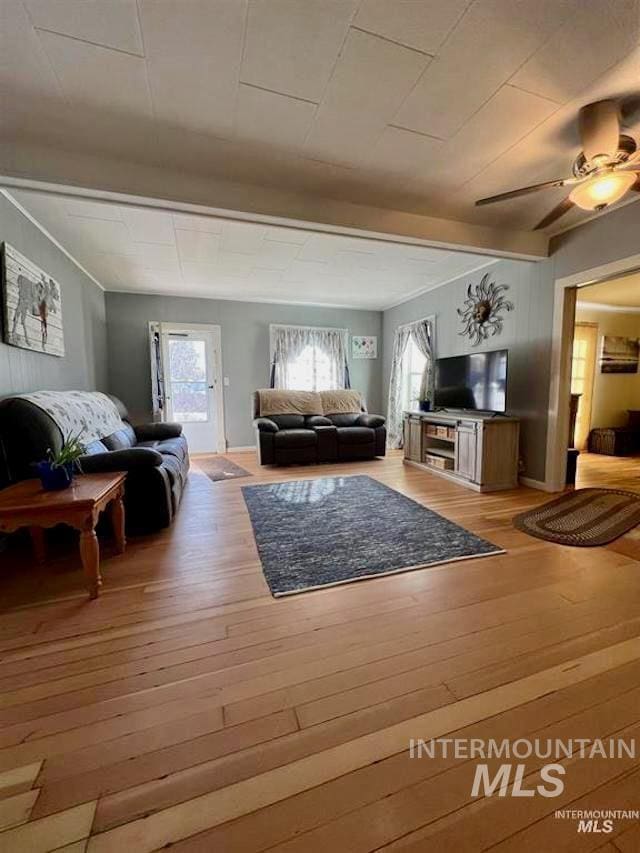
585, 517
333, 530
220, 468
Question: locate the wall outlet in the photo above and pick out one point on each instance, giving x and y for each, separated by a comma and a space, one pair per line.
225, 381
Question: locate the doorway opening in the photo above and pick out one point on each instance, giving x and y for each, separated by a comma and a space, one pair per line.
192, 378
604, 407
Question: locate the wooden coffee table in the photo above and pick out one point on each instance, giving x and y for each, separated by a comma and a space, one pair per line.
26, 504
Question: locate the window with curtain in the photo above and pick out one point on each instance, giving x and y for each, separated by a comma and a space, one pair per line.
411, 377
308, 358
311, 370
413, 363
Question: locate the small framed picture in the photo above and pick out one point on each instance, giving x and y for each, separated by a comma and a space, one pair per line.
619, 355
364, 346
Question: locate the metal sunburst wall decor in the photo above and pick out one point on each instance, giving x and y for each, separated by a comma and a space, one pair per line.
482, 310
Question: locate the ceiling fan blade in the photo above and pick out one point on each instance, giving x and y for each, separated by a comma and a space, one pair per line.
558, 211
599, 125
561, 182
632, 163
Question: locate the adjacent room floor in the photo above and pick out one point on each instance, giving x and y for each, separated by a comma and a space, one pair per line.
613, 472
187, 706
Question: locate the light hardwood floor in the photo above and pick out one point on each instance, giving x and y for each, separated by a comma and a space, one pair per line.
186, 706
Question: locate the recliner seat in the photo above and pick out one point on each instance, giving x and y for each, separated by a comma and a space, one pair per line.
294, 438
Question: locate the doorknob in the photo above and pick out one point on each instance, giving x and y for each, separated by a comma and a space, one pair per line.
211, 387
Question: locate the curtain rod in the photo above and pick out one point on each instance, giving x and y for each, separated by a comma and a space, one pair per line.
431, 319
315, 328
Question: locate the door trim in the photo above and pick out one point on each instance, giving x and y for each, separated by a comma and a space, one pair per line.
216, 334
566, 290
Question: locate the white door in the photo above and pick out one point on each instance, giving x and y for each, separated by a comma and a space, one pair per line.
193, 390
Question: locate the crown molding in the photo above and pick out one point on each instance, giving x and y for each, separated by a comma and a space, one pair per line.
49, 236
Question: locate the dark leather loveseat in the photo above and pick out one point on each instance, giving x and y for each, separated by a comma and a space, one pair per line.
155, 457
296, 426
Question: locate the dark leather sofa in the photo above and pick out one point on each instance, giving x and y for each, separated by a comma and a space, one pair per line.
291, 439
155, 457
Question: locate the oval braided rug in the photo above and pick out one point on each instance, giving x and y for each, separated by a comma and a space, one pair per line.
585, 517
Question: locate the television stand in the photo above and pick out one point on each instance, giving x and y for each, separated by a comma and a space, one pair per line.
474, 449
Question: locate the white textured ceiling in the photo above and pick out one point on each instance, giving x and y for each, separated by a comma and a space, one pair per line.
420, 105
151, 251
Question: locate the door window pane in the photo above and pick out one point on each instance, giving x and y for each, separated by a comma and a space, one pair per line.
188, 380
187, 360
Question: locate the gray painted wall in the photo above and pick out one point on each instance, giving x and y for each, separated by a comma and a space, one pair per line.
610, 237
245, 348
526, 335
84, 365
527, 332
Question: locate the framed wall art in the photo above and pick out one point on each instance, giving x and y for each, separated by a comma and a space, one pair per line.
32, 305
364, 346
619, 355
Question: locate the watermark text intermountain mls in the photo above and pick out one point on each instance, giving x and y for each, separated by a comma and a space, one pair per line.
509, 778
465, 748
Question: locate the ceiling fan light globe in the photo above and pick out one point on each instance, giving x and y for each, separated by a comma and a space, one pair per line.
601, 190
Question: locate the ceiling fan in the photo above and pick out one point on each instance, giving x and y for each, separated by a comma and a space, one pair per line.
606, 168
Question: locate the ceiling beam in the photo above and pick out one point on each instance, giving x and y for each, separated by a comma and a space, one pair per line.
47, 170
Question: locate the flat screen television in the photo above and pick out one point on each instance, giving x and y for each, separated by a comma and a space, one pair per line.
476, 381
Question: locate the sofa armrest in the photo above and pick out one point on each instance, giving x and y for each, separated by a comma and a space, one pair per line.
157, 432
265, 425
120, 460
372, 421
317, 421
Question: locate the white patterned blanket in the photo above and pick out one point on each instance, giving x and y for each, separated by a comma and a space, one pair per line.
90, 413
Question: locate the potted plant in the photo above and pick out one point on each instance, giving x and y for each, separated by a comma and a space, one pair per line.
56, 472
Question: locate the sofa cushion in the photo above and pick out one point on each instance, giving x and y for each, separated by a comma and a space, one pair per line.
290, 438
95, 447
288, 421
373, 421
157, 431
121, 439
169, 447
316, 421
129, 459
344, 420
355, 435
174, 468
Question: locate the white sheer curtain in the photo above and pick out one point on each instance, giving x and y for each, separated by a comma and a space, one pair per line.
422, 336
306, 358
421, 332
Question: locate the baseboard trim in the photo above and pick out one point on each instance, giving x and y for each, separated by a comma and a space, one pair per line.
247, 448
540, 485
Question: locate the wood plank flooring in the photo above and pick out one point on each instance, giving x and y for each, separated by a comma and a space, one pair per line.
187, 707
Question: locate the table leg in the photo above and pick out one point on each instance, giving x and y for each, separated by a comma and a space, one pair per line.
90, 554
117, 521
38, 543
